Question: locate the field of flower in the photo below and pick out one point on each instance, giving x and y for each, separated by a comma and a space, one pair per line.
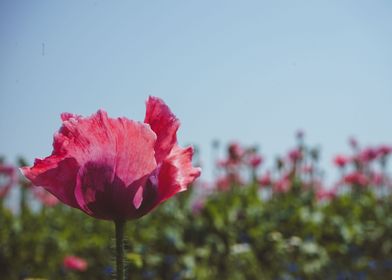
253, 222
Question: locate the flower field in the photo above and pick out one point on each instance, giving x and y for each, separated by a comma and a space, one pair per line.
168, 140
253, 222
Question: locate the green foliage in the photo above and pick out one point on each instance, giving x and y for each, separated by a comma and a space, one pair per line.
235, 236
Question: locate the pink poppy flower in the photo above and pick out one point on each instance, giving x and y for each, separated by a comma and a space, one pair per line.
8, 178
341, 161
384, 150
255, 160
228, 164
266, 180
367, 155
75, 263
225, 182
295, 155
283, 185
356, 178
235, 151
323, 194
116, 168
378, 178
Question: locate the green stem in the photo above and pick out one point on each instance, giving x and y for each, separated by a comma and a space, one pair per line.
120, 226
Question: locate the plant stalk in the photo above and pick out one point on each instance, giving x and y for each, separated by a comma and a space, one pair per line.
120, 226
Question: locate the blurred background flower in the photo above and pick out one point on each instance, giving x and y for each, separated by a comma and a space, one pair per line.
75, 263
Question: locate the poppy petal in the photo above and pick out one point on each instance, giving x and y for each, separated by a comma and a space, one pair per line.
125, 145
164, 123
57, 174
176, 173
104, 197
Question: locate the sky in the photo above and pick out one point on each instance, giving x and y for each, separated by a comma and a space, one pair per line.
250, 71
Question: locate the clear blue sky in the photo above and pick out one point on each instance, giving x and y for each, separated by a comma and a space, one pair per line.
254, 71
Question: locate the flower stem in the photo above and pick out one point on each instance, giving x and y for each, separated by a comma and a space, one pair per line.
120, 226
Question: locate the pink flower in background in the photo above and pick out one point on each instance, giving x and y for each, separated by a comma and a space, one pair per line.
295, 155
377, 179
341, 161
323, 194
356, 178
223, 183
368, 154
116, 168
255, 160
236, 152
266, 180
228, 164
384, 150
75, 263
8, 178
315, 184
45, 197
283, 185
